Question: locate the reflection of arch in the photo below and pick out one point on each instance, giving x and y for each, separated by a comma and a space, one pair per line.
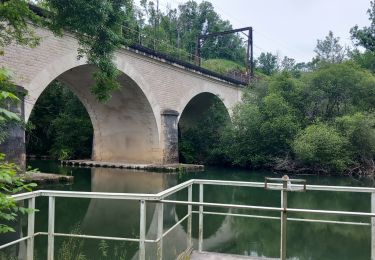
126, 222
125, 128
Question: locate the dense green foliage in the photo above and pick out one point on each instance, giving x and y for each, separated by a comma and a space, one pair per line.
97, 25
321, 146
222, 66
177, 29
199, 142
10, 182
14, 18
315, 116
59, 125
320, 122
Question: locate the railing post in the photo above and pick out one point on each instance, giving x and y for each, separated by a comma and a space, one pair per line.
142, 230
160, 211
30, 230
189, 222
373, 226
200, 240
284, 205
51, 227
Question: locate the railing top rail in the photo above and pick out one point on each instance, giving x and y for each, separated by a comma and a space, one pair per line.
308, 187
100, 195
163, 194
267, 208
174, 189
26, 195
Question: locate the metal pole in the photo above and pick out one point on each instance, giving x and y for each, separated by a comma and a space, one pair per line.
248, 62
284, 205
198, 52
190, 210
142, 230
200, 242
251, 53
30, 230
51, 227
160, 210
373, 226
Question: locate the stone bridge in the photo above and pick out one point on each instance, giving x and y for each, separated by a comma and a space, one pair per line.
139, 124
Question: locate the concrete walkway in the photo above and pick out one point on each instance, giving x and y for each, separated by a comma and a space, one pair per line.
216, 256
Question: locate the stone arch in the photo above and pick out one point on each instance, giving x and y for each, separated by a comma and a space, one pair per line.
197, 106
195, 92
125, 128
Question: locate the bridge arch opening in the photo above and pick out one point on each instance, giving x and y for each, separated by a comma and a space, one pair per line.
59, 125
124, 128
201, 124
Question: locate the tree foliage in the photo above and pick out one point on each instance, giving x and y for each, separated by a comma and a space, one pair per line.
330, 50
15, 17
365, 37
321, 147
10, 182
322, 122
59, 125
267, 63
198, 143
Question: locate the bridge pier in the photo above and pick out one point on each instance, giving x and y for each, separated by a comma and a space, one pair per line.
14, 145
169, 122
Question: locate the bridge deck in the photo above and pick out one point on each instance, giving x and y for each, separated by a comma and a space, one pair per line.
217, 256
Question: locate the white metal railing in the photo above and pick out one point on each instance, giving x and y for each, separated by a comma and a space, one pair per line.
161, 198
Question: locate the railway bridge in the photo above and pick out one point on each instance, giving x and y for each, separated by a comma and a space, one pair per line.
139, 124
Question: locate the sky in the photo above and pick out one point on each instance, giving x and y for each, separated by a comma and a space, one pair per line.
291, 27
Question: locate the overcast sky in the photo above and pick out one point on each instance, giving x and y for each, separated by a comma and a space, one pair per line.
291, 27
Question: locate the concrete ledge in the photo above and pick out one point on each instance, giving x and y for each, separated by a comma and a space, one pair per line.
147, 167
46, 178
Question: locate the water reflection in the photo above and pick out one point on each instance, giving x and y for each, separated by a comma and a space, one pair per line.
221, 233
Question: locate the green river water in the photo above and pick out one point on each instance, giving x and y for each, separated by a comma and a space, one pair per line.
243, 236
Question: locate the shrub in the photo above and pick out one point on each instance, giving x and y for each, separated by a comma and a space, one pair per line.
322, 147
359, 130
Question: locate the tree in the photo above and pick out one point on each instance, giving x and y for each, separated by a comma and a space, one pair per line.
329, 50
10, 182
359, 129
267, 63
365, 37
338, 89
199, 143
52, 127
288, 64
322, 147
97, 26
14, 18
